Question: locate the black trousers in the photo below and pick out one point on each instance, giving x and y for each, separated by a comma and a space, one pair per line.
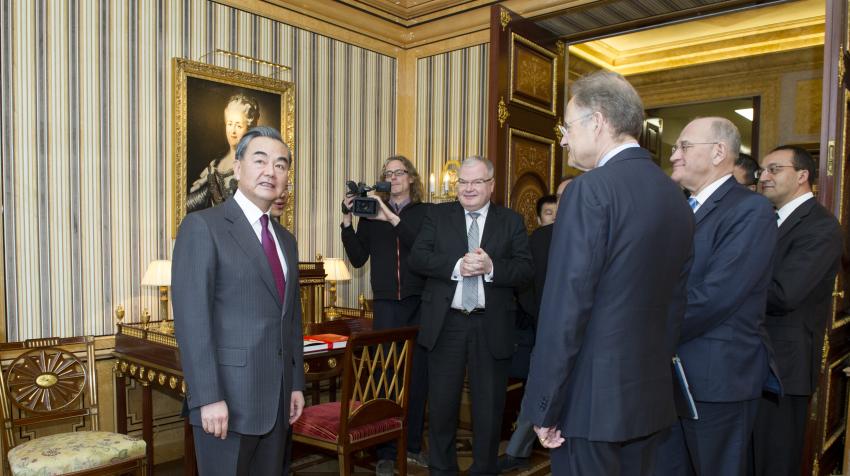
390, 314
778, 435
461, 350
581, 457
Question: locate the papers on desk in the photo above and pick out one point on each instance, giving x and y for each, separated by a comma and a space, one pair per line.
311, 345
318, 342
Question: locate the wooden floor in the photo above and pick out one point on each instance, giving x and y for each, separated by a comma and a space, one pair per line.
318, 465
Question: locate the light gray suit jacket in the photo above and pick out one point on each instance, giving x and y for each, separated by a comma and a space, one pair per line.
238, 342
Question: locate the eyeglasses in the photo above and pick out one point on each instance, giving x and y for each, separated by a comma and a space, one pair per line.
773, 169
687, 145
565, 128
474, 183
397, 173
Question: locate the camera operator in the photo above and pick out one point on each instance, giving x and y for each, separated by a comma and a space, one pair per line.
387, 238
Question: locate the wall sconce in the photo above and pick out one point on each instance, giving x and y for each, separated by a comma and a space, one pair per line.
335, 270
159, 274
446, 190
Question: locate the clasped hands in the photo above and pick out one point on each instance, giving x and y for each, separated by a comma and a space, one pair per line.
476, 263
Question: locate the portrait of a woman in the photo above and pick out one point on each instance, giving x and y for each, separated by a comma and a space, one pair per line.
216, 182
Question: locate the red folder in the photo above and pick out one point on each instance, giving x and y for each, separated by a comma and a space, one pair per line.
334, 341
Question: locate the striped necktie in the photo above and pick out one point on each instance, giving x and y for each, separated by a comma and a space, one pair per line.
469, 298
692, 201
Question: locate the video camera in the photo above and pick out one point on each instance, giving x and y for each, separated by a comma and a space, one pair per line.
363, 205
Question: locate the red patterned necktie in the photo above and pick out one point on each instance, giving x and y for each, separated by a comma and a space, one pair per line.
271, 254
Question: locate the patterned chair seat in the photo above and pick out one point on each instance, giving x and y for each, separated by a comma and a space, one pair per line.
70, 452
322, 422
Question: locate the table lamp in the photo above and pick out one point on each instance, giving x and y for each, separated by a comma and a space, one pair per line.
335, 270
159, 274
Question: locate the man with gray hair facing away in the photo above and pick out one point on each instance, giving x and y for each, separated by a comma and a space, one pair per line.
723, 345
600, 387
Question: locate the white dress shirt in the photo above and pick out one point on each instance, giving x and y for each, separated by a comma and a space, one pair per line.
789, 207
253, 214
457, 300
705, 194
616, 150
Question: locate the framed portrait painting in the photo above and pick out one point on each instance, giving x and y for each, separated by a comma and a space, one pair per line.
213, 107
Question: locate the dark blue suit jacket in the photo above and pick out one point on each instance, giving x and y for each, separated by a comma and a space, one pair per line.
723, 344
612, 304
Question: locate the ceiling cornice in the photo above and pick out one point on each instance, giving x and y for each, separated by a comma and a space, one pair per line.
366, 27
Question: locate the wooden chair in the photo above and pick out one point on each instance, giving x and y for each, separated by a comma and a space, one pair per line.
328, 370
45, 382
373, 406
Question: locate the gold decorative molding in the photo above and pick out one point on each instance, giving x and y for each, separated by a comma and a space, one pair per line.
827, 440
534, 75
504, 18
709, 49
533, 137
557, 129
503, 112
559, 45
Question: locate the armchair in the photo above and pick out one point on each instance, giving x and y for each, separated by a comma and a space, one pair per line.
46, 382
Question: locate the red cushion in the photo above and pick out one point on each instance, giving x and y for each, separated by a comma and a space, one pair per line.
322, 422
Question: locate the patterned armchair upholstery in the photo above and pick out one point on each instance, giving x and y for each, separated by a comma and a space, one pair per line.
44, 383
373, 405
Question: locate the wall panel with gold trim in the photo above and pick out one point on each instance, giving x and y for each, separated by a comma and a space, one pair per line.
85, 137
451, 107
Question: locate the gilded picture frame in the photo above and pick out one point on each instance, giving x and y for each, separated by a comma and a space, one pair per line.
203, 134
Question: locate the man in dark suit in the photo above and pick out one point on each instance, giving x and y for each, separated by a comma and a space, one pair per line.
806, 261
474, 254
238, 318
600, 387
518, 452
723, 346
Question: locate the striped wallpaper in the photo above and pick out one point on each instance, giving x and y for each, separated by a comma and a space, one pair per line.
451, 106
85, 138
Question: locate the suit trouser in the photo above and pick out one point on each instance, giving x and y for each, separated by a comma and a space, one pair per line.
391, 314
461, 345
778, 435
716, 444
582, 457
243, 455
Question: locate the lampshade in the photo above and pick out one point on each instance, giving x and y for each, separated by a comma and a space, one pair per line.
158, 274
336, 269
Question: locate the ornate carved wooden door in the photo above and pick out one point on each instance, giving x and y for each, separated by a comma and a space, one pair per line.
827, 426
526, 102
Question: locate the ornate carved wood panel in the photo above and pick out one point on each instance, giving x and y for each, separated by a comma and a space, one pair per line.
525, 105
825, 450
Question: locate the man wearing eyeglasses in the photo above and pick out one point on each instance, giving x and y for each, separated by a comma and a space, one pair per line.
474, 255
806, 260
600, 386
722, 344
387, 239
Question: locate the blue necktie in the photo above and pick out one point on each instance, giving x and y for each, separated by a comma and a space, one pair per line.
692, 201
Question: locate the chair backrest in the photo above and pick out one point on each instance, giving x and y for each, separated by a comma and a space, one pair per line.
376, 376
43, 381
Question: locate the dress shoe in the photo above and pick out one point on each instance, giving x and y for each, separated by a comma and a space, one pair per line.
385, 467
508, 463
417, 459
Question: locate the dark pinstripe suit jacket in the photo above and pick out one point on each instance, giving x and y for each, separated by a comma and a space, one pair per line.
238, 342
